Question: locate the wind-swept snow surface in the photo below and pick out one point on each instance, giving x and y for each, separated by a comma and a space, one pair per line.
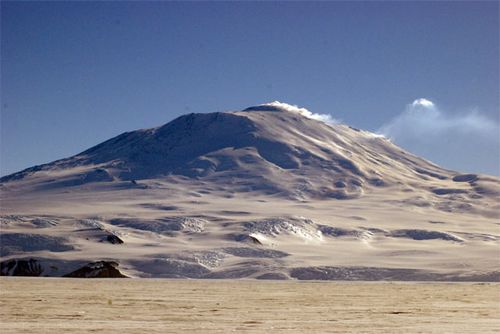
271, 191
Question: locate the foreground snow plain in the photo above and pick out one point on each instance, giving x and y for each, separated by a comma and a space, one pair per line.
55, 305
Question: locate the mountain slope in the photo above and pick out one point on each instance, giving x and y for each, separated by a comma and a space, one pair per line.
272, 145
267, 191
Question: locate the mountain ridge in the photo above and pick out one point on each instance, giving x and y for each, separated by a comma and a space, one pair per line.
253, 141
269, 191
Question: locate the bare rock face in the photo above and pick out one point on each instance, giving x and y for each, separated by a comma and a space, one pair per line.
113, 239
99, 269
21, 267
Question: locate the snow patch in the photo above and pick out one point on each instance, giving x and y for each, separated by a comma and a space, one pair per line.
167, 225
300, 227
91, 223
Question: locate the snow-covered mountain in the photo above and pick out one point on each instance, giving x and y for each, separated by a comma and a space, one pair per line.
268, 192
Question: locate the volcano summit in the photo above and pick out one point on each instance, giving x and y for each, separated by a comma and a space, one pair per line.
269, 192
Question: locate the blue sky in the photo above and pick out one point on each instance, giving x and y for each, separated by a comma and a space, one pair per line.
76, 73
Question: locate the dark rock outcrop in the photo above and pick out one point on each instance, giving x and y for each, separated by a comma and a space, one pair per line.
21, 267
113, 239
99, 269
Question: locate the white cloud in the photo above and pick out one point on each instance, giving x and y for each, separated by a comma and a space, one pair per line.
423, 118
303, 111
467, 141
423, 103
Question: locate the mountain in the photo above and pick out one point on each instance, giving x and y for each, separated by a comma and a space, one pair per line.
266, 192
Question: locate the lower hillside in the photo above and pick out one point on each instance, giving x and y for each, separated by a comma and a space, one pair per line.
201, 236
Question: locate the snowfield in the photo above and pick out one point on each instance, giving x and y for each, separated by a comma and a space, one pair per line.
273, 191
202, 306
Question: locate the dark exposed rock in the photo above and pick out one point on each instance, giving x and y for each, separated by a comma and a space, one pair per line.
113, 239
21, 267
99, 269
247, 238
